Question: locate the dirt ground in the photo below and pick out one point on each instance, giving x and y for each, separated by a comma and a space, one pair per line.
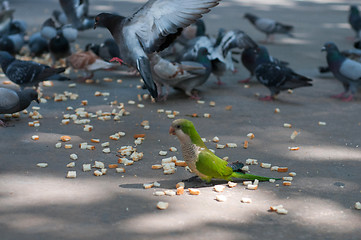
40, 203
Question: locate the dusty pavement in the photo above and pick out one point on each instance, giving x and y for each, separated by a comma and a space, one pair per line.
40, 203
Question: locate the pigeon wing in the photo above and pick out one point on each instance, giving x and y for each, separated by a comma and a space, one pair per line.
351, 69
22, 72
8, 100
158, 22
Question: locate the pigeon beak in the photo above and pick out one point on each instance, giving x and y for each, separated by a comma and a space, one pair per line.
171, 131
323, 49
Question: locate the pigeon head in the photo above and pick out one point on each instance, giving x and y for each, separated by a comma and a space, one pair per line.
330, 47
5, 59
354, 10
250, 17
31, 95
203, 51
108, 21
7, 45
262, 54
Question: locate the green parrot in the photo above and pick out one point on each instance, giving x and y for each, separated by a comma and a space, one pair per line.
201, 160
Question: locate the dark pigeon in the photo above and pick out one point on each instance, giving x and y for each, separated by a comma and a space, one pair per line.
269, 26
344, 69
28, 73
106, 51
12, 101
252, 57
37, 45
277, 78
354, 20
59, 47
150, 29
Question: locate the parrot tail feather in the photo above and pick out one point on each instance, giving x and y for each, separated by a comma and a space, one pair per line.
251, 177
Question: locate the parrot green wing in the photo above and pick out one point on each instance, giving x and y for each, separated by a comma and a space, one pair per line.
212, 166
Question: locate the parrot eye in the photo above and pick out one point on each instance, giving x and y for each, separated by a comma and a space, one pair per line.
178, 126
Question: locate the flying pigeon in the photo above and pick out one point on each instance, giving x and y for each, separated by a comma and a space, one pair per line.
354, 20
89, 62
252, 57
76, 12
278, 78
151, 29
6, 15
28, 73
219, 49
60, 17
269, 26
185, 76
12, 101
344, 69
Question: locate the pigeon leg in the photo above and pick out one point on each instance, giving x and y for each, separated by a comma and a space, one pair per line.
266, 98
2, 123
144, 69
87, 76
247, 80
116, 59
347, 99
341, 95
194, 96
219, 81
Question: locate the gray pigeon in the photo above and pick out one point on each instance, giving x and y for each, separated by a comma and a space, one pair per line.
12, 101
28, 73
185, 76
60, 17
151, 29
354, 19
269, 26
6, 15
344, 69
278, 78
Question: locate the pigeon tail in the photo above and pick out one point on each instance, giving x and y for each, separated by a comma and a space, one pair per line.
144, 69
49, 72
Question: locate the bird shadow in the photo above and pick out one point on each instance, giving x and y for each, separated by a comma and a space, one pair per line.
192, 182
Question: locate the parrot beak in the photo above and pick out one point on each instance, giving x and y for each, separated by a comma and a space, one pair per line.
171, 131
